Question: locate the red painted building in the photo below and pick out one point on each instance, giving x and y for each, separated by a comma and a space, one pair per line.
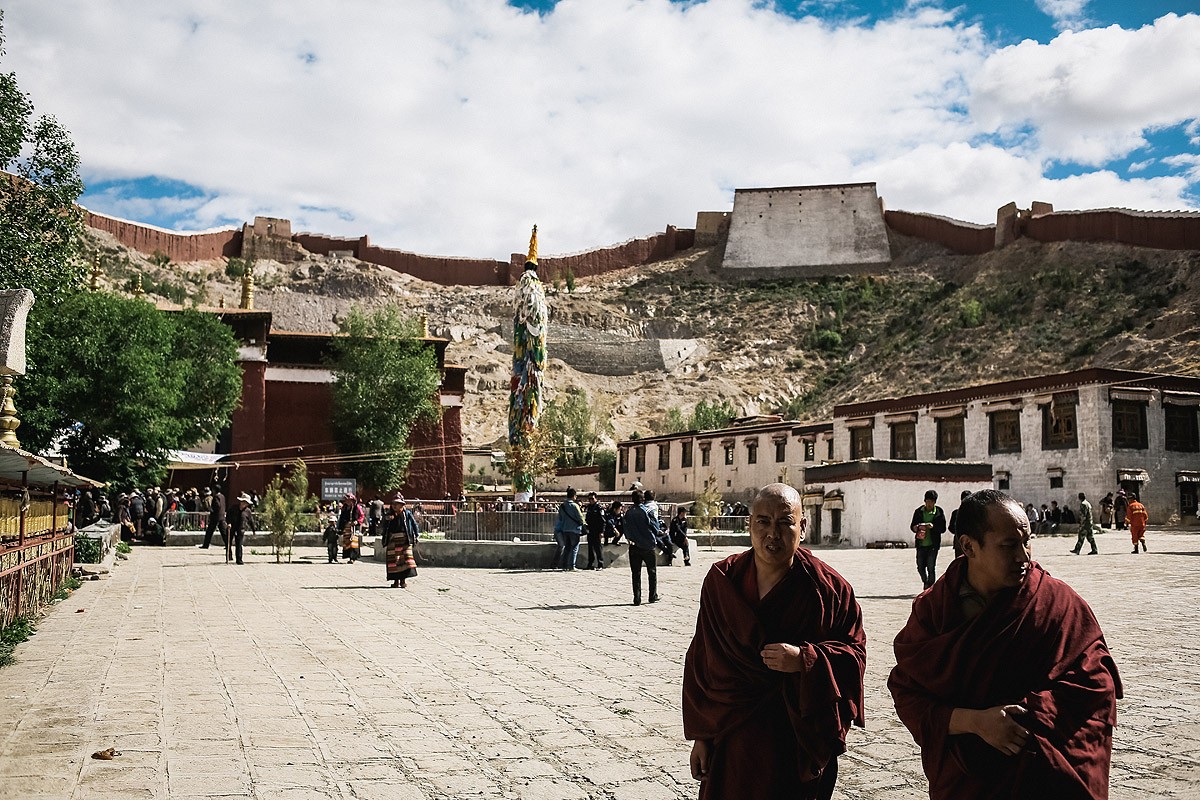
286, 406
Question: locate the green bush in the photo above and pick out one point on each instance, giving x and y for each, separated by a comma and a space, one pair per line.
20, 630
826, 340
971, 314
87, 550
123, 548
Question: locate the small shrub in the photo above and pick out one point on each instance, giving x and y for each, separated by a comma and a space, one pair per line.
826, 340
160, 259
569, 277
123, 548
87, 550
970, 313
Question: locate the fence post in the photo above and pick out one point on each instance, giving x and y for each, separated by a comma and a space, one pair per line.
22, 511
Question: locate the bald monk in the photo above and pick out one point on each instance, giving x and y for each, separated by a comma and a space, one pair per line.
1002, 674
774, 676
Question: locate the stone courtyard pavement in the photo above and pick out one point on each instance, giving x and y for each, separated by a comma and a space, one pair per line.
315, 681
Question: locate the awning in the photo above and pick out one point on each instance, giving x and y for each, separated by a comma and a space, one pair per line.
1133, 475
16, 464
186, 459
1187, 476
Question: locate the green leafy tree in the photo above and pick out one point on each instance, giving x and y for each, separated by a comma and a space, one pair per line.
386, 382
537, 458
705, 416
119, 383
40, 225
576, 427
285, 507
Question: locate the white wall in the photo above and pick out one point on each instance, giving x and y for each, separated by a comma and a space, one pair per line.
880, 509
806, 226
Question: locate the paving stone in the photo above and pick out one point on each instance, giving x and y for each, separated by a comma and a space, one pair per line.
510, 685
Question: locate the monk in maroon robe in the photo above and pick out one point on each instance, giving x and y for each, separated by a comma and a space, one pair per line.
1002, 673
774, 676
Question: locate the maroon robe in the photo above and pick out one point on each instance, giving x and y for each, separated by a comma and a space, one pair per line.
774, 734
1038, 646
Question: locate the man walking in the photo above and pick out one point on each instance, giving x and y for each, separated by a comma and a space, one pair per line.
642, 531
216, 517
928, 523
1002, 673
1085, 526
1137, 516
240, 521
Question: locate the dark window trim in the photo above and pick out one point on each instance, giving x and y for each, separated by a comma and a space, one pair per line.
942, 453
1143, 438
994, 448
1192, 446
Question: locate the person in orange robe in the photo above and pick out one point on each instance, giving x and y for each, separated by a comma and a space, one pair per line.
774, 676
1002, 673
1136, 515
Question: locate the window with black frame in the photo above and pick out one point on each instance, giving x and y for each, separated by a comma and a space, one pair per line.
862, 444
1129, 425
1182, 430
1059, 426
951, 438
904, 441
1004, 431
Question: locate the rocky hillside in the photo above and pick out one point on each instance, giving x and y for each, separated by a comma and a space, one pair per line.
647, 339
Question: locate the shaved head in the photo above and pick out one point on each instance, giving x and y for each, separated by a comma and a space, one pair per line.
777, 491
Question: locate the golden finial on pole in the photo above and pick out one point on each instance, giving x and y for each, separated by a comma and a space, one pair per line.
424, 326
532, 257
94, 283
8, 413
248, 288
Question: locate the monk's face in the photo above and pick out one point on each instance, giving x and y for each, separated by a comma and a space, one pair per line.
1002, 561
776, 529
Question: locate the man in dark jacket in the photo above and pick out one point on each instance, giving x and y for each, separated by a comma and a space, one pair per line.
240, 520
594, 516
216, 518
928, 523
644, 535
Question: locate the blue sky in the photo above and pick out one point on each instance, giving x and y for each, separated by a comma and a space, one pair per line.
450, 127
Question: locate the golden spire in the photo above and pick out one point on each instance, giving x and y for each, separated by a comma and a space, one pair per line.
532, 257
8, 413
94, 283
138, 291
247, 288
425, 326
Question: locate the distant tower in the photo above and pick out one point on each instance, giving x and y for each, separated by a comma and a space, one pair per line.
529, 363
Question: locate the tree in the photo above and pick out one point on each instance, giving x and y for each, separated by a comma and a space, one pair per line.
118, 383
386, 382
535, 459
285, 505
576, 427
705, 416
40, 225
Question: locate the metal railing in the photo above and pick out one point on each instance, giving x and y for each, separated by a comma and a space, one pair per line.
36, 553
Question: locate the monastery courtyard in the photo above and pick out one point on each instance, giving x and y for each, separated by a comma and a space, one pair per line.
291, 682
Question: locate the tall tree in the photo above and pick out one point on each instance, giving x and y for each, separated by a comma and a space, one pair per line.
118, 383
576, 427
705, 416
40, 224
386, 382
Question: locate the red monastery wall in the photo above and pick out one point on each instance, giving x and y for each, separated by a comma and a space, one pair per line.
1166, 231
178, 246
961, 237
634, 252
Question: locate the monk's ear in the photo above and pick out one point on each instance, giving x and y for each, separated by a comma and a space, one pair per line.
969, 547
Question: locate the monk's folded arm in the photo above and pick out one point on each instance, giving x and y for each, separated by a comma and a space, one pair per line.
963, 720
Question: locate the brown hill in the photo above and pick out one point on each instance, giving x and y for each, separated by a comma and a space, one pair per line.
644, 340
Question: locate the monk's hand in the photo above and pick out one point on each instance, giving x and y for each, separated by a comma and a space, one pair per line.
701, 750
783, 657
997, 727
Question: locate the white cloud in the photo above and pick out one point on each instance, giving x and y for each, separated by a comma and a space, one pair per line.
1068, 15
451, 126
1091, 96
